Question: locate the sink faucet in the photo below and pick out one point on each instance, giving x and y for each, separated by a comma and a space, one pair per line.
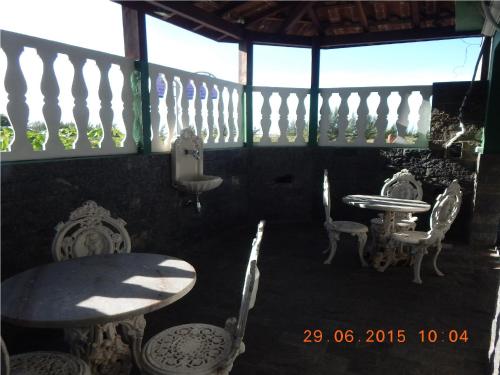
195, 153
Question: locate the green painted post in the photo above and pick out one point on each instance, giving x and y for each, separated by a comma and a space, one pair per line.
313, 110
246, 78
144, 70
491, 141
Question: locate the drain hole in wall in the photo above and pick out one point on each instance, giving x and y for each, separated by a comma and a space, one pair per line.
285, 179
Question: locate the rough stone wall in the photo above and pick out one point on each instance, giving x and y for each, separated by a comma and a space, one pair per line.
446, 102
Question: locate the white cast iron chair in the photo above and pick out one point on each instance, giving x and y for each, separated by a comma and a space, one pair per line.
334, 228
204, 349
91, 230
402, 185
42, 363
443, 214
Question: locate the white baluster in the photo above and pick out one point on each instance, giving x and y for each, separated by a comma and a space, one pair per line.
230, 119
265, 121
381, 122
424, 120
222, 125
80, 109
127, 112
283, 120
184, 103
105, 112
343, 121
324, 122
301, 118
50, 91
172, 112
403, 112
198, 118
156, 143
210, 113
362, 121
17, 109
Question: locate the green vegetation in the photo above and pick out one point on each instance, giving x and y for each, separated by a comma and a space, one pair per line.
68, 134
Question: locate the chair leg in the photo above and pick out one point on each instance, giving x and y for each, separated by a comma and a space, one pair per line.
434, 260
417, 264
333, 237
361, 246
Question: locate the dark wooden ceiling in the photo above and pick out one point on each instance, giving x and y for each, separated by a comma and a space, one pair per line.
300, 23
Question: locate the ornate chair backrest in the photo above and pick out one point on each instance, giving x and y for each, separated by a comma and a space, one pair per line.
90, 230
250, 286
445, 210
326, 196
402, 185
5, 369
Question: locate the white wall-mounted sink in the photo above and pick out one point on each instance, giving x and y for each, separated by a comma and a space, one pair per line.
199, 184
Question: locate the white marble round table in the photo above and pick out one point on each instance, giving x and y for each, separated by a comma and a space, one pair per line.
386, 204
389, 207
93, 291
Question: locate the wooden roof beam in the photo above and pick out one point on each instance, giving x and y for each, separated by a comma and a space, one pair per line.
415, 14
295, 15
262, 15
195, 14
228, 7
362, 16
315, 20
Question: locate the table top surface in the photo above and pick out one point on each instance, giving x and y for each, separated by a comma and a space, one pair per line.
95, 289
381, 203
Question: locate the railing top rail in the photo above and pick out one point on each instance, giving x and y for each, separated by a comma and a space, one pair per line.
34, 42
378, 88
278, 88
202, 77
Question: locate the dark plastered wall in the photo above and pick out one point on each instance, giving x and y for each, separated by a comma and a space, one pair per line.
36, 196
275, 183
286, 183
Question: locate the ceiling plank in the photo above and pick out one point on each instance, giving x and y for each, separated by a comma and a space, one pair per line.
362, 16
415, 14
262, 15
228, 7
397, 36
315, 21
207, 20
295, 15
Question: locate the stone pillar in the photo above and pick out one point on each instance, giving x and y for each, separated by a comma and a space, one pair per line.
486, 215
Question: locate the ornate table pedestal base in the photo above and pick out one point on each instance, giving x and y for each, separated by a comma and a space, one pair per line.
104, 349
390, 254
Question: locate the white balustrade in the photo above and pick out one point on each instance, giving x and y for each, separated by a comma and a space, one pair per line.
360, 127
291, 124
16, 85
213, 107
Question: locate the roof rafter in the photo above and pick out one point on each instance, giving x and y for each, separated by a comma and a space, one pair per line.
195, 14
295, 15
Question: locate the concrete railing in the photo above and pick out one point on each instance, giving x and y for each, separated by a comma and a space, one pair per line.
362, 117
213, 107
51, 138
396, 116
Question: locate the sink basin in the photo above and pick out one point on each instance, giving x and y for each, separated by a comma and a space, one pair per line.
199, 184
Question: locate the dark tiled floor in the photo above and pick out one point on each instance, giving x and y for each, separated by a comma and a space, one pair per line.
297, 292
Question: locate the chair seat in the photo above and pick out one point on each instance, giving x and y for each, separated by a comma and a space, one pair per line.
187, 349
410, 237
47, 363
380, 221
348, 227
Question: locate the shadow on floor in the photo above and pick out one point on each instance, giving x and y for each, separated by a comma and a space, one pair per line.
297, 293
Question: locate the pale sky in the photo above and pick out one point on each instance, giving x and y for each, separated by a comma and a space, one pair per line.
76, 22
